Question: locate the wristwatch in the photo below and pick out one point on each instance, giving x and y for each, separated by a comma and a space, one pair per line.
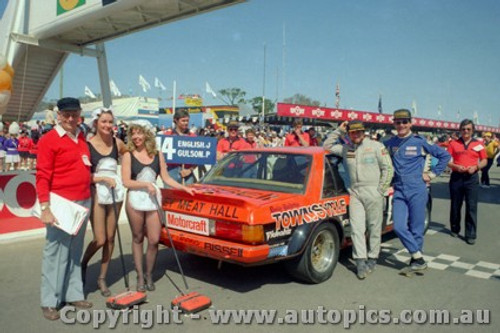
44, 207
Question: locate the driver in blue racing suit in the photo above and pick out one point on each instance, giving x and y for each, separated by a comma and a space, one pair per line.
409, 152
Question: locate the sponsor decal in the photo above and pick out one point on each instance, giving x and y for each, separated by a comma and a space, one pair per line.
318, 112
278, 233
352, 115
309, 214
187, 240
192, 224
246, 194
283, 207
297, 110
223, 211
227, 250
64, 6
367, 117
190, 205
380, 118
411, 148
336, 114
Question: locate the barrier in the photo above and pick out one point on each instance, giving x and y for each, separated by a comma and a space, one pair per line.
17, 198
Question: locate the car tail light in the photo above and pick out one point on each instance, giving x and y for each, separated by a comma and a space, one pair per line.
238, 232
252, 233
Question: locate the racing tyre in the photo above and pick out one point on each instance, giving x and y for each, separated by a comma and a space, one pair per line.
317, 262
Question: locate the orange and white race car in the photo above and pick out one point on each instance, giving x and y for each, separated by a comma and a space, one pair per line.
267, 205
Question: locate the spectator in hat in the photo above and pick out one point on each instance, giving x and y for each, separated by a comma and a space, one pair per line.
251, 139
297, 137
63, 168
468, 157
491, 151
370, 173
232, 142
409, 155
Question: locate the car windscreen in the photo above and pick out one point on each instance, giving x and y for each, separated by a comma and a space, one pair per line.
262, 171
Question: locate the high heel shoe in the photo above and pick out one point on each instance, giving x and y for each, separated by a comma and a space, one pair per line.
141, 286
150, 285
101, 284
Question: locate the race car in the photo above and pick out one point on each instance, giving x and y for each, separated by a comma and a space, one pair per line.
268, 205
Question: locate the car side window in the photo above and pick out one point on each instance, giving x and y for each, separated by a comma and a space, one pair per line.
328, 182
335, 177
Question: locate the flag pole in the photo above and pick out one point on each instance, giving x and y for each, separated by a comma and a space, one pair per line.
173, 97
264, 85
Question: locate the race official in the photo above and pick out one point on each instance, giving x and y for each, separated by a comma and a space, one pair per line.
469, 156
232, 142
63, 167
370, 171
297, 137
409, 153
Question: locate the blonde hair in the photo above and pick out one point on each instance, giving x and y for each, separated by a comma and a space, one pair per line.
149, 142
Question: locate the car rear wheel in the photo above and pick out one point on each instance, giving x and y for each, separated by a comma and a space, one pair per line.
317, 262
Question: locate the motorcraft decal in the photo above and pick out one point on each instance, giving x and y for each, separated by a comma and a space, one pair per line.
309, 214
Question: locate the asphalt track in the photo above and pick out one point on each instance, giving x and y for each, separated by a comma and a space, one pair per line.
460, 277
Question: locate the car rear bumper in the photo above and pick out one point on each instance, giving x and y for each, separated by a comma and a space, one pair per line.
225, 250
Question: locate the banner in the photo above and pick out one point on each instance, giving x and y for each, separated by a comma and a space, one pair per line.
17, 199
64, 6
188, 149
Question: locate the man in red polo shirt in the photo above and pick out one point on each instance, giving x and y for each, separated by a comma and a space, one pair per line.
63, 167
468, 157
297, 137
232, 142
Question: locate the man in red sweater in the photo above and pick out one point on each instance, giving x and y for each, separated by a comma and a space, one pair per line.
63, 167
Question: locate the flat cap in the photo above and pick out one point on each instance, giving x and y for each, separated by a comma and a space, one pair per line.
68, 104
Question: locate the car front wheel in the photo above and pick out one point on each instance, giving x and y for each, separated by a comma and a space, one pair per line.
317, 262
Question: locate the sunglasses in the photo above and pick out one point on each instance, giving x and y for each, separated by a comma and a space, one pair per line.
404, 122
233, 129
466, 129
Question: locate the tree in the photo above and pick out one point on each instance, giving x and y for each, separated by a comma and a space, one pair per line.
232, 96
302, 100
256, 103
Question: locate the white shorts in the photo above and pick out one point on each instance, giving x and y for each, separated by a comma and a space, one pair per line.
2, 153
12, 159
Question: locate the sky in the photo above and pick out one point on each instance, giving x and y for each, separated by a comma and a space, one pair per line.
437, 54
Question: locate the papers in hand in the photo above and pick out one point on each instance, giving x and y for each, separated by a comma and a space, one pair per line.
70, 216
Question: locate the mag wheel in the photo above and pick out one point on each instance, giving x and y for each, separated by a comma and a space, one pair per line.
317, 262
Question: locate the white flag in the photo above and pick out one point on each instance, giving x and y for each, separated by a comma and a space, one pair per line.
476, 118
414, 108
144, 84
209, 90
158, 84
114, 89
89, 92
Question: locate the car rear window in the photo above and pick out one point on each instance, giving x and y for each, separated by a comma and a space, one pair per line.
263, 171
